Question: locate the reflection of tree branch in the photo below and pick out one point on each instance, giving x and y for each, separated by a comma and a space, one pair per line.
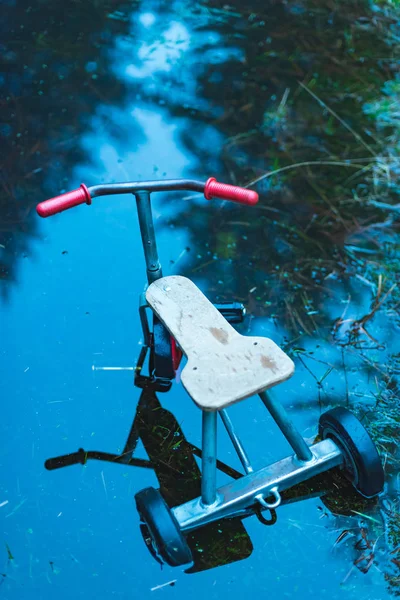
46, 107
307, 163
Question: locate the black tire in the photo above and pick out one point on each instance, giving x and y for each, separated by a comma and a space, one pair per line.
362, 465
168, 540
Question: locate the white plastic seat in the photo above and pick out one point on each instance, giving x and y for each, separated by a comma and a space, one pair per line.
223, 366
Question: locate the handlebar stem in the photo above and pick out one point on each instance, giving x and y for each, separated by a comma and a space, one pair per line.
146, 225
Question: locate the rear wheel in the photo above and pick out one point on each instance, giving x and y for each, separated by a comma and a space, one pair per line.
362, 463
165, 538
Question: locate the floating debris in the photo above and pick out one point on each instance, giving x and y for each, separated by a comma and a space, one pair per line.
16, 508
112, 368
366, 516
9, 553
343, 536
117, 15
104, 483
163, 585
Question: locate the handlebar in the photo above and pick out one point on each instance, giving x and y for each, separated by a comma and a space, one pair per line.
66, 460
83, 195
225, 191
64, 201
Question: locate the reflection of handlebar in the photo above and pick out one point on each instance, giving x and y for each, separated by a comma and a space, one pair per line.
66, 460
211, 189
82, 456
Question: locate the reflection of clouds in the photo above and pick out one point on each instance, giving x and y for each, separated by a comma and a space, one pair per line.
166, 54
162, 57
162, 54
136, 144
146, 19
151, 151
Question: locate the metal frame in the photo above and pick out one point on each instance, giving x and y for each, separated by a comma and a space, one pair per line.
237, 498
147, 233
209, 459
252, 491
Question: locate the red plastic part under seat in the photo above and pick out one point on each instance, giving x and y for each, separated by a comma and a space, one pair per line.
225, 191
176, 354
64, 201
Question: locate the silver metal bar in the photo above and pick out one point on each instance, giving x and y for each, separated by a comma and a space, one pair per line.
241, 452
132, 187
285, 424
240, 495
148, 236
209, 458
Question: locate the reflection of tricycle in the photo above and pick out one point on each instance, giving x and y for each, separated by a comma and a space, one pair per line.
223, 367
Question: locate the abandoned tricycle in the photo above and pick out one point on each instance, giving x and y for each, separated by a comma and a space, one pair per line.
223, 367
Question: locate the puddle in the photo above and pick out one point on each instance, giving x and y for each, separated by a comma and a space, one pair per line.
297, 98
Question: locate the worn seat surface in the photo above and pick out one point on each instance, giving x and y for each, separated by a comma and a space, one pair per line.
223, 366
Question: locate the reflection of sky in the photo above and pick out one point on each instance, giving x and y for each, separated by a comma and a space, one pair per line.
167, 56
82, 290
163, 54
146, 146
142, 140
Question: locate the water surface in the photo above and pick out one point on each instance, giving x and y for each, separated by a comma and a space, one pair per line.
119, 92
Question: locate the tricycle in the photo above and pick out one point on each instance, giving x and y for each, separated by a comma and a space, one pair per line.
221, 367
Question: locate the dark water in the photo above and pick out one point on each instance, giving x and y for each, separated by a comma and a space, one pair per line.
118, 92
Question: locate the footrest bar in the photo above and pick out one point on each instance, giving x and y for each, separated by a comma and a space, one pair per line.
241, 494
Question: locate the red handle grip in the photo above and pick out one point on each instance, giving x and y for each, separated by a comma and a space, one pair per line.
64, 201
224, 191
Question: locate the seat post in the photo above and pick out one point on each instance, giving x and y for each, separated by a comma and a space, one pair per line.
209, 457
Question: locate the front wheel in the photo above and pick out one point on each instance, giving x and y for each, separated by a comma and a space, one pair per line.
362, 463
166, 538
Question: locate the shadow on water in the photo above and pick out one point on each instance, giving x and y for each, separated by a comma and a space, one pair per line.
308, 119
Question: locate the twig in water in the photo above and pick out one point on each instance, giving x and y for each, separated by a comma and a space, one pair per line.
307, 163
104, 484
158, 587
